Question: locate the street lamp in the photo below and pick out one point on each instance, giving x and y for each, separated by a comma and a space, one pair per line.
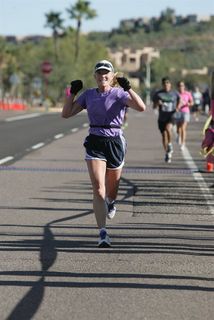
149, 54
148, 82
147, 58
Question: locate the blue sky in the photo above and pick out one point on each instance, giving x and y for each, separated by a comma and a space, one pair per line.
27, 17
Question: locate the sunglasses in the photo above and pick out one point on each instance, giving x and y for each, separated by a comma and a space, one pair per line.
99, 65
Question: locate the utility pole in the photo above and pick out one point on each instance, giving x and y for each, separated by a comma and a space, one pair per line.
146, 60
148, 80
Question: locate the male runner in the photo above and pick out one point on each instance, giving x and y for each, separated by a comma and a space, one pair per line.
168, 102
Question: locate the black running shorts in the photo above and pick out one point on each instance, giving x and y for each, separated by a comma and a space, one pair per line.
164, 119
109, 149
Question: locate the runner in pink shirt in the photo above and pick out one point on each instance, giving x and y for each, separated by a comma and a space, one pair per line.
186, 103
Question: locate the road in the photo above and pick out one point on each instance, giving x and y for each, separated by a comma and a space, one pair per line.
160, 265
21, 134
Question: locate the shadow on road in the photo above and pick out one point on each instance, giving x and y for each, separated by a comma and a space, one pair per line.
137, 193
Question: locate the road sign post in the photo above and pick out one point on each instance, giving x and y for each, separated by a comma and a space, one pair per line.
46, 69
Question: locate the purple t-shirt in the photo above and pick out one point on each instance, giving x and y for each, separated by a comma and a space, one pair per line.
106, 108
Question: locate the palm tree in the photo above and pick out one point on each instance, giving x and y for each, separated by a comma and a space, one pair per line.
79, 11
54, 21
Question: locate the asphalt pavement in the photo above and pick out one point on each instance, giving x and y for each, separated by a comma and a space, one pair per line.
160, 265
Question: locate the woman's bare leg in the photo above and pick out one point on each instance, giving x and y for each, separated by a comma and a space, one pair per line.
97, 173
183, 133
112, 183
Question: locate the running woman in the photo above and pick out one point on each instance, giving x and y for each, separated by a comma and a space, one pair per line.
105, 145
186, 104
167, 101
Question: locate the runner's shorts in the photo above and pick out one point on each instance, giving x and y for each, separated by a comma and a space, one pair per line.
164, 120
109, 149
196, 107
184, 117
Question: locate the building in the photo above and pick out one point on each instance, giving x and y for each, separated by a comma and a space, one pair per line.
133, 61
203, 71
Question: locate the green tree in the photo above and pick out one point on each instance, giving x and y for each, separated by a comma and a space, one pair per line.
54, 21
78, 12
8, 66
168, 15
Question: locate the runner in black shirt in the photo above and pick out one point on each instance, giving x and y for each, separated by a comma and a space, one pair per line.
167, 101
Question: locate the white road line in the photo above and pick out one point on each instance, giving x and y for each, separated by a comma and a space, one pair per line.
22, 117
85, 125
38, 145
6, 159
58, 136
200, 180
74, 130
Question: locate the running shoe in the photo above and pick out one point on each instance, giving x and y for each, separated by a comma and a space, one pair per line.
182, 147
168, 158
170, 149
104, 240
111, 209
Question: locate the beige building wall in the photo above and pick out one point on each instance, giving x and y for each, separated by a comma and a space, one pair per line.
133, 61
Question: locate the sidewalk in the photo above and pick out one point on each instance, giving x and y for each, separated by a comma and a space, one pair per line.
160, 266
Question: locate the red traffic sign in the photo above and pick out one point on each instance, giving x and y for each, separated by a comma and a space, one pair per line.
46, 67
